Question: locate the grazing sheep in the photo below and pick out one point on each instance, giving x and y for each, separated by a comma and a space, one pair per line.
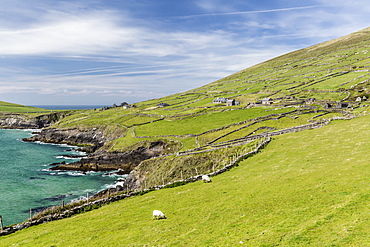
157, 215
120, 184
206, 179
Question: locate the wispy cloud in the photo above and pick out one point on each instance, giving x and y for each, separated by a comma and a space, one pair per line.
84, 52
67, 35
102, 33
251, 12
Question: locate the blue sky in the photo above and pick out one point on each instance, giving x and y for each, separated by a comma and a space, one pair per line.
100, 52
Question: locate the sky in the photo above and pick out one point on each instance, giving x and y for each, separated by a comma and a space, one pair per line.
100, 52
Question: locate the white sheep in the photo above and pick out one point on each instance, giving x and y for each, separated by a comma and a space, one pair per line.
157, 215
120, 184
206, 179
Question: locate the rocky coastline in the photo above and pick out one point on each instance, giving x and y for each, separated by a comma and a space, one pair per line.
92, 142
19, 121
97, 159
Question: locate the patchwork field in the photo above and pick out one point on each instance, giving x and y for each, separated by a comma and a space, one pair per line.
307, 188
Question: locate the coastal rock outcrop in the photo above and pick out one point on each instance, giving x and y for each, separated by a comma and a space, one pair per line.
18, 121
91, 139
99, 159
109, 161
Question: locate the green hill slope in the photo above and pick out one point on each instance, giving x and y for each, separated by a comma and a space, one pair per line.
6, 107
331, 73
307, 188
309, 86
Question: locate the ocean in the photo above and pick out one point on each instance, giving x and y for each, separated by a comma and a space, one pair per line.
27, 184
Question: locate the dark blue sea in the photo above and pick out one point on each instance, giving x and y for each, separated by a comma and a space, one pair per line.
27, 183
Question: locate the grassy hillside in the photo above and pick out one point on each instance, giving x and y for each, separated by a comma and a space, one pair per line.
307, 188
304, 188
312, 85
334, 72
6, 107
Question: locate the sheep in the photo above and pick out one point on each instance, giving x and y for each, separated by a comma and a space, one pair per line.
157, 215
206, 179
120, 183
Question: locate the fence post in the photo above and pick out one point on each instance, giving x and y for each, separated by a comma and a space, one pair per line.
1, 222
30, 213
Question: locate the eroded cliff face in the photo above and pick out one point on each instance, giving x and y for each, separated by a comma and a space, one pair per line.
92, 139
108, 161
98, 159
18, 121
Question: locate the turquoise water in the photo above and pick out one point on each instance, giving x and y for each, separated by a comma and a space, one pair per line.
26, 183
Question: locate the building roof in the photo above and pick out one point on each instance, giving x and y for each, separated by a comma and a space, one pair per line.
267, 99
220, 100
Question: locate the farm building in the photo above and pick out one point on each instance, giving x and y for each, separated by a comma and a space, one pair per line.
342, 105
219, 101
328, 105
267, 101
163, 105
360, 99
231, 102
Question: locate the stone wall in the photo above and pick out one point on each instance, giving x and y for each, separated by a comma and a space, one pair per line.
66, 211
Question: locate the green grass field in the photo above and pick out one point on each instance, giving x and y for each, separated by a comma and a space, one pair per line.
6, 107
302, 74
304, 189
309, 188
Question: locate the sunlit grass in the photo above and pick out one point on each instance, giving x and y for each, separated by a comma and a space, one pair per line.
308, 188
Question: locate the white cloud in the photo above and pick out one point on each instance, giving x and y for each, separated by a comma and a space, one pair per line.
102, 33
140, 59
70, 35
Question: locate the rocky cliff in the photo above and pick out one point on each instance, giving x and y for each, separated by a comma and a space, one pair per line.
92, 139
98, 159
18, 121
108, 161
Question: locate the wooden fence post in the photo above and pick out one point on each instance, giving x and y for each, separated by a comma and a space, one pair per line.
1, 222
